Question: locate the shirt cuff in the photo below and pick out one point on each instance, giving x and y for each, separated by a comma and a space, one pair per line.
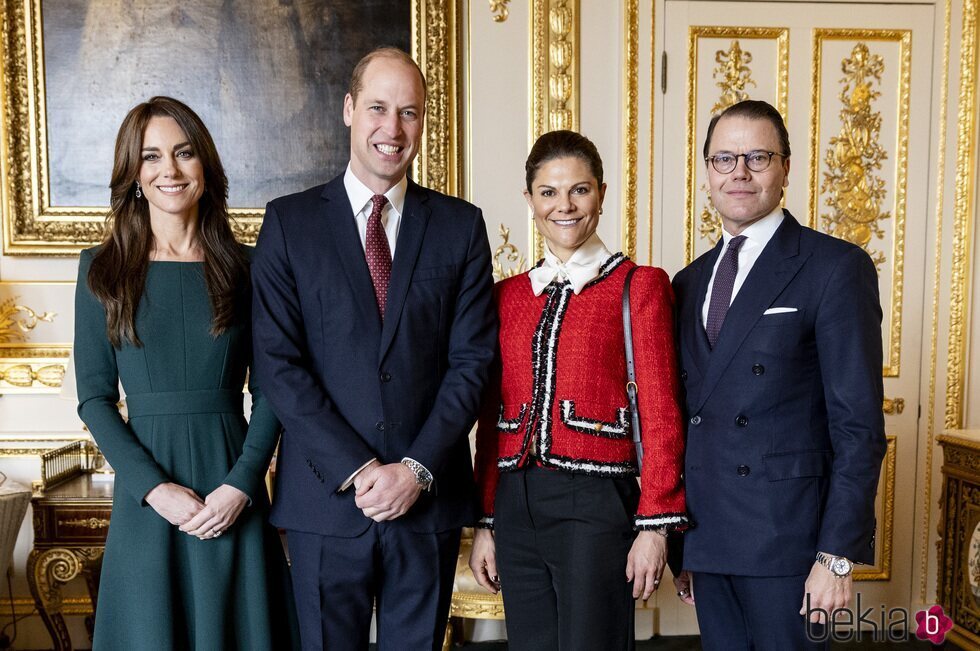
350, 480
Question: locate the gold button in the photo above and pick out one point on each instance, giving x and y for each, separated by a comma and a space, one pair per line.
598, 427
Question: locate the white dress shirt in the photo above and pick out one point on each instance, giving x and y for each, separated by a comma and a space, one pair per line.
360, 201
582, 267
757, 236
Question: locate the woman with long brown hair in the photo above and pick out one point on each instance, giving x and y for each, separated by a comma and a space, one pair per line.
162, 306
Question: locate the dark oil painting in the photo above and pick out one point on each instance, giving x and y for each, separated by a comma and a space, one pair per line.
268, 77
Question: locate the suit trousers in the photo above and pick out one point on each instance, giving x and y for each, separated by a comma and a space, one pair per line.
338, 582
561, 544
757, 613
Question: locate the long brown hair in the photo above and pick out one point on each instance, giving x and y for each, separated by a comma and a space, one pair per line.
119, 267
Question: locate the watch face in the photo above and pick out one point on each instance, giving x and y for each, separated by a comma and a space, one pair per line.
841, 567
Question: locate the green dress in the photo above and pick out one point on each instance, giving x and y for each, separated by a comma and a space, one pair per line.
161, 588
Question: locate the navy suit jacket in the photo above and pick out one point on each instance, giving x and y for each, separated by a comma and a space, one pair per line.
785, 429
348, 387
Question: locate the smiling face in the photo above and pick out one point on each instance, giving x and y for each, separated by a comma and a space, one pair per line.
385, 122
171, 174
565, 198
742, 196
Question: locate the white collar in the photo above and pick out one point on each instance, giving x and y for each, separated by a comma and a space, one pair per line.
759, 232
360, 194
582, 267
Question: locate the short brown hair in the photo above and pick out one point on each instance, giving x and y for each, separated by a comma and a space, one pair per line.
356, 77
752, 109
562, 144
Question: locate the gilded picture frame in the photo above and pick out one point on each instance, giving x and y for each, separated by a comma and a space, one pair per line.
36, 225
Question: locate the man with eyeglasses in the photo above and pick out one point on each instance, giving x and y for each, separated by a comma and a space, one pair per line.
781, 358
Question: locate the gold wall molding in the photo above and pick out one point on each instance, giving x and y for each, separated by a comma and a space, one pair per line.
499, 10
32, 226
934, 336
29, 368
631, 111
24, 607
653, 128
20, 446
847, 204
435, 45
883, 571
554, 83
695, 33
963, 206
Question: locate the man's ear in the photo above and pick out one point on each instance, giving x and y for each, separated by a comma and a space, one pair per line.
348, 109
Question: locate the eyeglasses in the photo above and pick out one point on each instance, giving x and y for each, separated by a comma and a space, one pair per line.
756, 161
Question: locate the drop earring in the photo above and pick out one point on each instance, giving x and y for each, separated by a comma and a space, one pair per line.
139, 195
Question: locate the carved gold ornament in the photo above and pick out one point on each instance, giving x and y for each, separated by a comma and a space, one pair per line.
86, 523
856, 193
733, 68
16, 328
554, 77
735, 76
511, 254
499, 10
24, 376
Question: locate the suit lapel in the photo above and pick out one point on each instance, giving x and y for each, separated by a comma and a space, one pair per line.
772, 271
341, 230
415, 218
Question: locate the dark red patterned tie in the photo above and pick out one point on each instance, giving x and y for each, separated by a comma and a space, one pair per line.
377, 252
721, 290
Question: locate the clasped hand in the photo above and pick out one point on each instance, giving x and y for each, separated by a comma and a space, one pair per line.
204, 519
385, 492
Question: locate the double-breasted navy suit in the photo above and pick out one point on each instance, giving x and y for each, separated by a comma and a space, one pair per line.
349, 386
785, 433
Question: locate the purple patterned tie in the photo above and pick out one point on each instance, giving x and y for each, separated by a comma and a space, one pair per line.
721, 290
378, 253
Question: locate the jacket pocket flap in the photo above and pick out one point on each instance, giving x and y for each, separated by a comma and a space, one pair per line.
582, 419
791, 465
512, 424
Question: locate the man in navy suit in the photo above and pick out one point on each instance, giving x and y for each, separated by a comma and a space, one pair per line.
374, 329
781, 357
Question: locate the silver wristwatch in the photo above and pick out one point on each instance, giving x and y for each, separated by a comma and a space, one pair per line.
838, 565
422, 476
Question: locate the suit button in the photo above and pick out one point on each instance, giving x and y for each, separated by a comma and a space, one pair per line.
758, 369
683, 376
695, 420
380, 426
742, 471
741, 421
386, 377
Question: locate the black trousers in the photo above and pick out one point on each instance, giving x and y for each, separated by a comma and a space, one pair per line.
561, 543
337, 581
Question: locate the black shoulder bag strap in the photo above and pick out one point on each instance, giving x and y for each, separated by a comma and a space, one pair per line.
631, 388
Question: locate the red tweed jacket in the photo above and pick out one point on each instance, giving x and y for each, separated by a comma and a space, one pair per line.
560, 388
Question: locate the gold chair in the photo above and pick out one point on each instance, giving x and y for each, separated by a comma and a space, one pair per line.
470, 599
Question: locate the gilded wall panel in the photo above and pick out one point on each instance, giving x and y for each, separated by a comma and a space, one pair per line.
725, 65
859, 155
35, 322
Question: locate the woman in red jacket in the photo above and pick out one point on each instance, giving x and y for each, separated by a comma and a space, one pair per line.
574, 536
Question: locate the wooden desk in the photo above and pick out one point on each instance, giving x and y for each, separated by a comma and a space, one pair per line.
71, 521
959, 536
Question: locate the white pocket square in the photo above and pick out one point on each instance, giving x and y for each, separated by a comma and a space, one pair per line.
779, 310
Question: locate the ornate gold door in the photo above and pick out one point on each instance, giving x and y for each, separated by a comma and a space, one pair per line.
855, 84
